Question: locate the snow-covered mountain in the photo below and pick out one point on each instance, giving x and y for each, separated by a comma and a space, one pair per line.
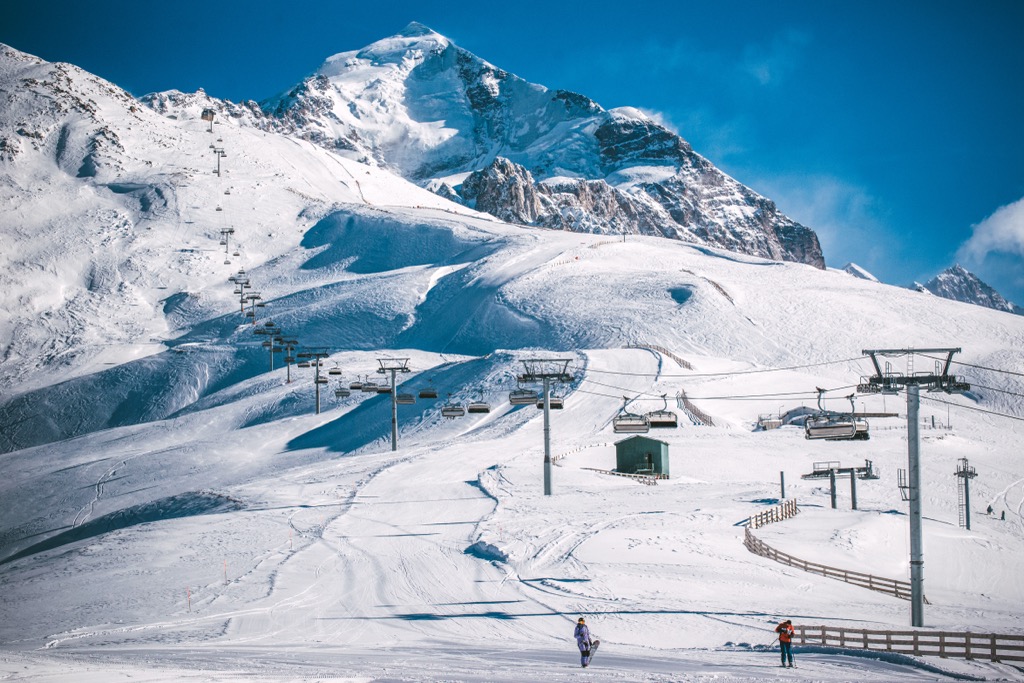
419, 105
858, 272
172, 504
959, 284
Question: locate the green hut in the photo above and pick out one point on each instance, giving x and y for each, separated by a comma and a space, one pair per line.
641, 455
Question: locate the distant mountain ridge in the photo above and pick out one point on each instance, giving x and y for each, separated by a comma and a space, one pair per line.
438, 115
959, 284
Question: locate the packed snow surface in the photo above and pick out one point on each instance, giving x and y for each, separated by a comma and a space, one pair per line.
174, 510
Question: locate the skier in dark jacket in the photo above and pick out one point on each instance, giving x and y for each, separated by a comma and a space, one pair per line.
785, 631
582, 634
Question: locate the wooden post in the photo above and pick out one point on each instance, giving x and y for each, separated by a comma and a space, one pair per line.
992, 641
967, 646
942, 644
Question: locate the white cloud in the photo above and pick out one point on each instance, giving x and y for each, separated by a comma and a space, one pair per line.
1002, 232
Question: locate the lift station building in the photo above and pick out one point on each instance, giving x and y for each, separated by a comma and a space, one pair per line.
641, 455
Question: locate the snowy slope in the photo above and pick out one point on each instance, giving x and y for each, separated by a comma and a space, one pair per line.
175, 510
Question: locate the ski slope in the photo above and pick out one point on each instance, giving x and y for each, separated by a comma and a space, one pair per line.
172, 509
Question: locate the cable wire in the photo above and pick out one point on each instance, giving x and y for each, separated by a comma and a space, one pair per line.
978, 410
1002, 391
724, 374
979, 367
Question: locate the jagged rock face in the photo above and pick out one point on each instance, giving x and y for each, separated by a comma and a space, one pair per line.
671, 208
417, 104
959, 284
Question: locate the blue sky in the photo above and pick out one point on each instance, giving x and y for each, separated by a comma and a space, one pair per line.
894, 129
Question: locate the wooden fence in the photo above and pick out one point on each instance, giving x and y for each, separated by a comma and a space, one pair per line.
894, 587
649, 479
663, 351
776, 514
960, 644
696, 415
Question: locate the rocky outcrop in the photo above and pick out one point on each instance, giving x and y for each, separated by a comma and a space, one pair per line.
672, 208
959, 284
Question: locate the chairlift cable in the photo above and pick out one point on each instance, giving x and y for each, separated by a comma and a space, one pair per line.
723, 374
784, 394
1002, 391
976, 409
979, 367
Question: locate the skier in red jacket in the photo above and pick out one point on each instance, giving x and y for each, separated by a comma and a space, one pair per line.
785, 631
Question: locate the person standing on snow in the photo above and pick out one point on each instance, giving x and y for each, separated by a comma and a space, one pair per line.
785, 631
582, 635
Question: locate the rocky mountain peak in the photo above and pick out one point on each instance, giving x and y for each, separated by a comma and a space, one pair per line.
434, 113
959, 284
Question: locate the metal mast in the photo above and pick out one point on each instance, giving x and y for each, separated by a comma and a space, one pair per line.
546, 370
890, 383
394, 366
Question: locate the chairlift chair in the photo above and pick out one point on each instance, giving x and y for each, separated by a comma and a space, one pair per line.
303, 364
664, 418
341, 391
554, 403
429, 391
452, 410
356, 386
834, 426
384, 389
480, 406
334, 371
522, 397
630, 423
405, 399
